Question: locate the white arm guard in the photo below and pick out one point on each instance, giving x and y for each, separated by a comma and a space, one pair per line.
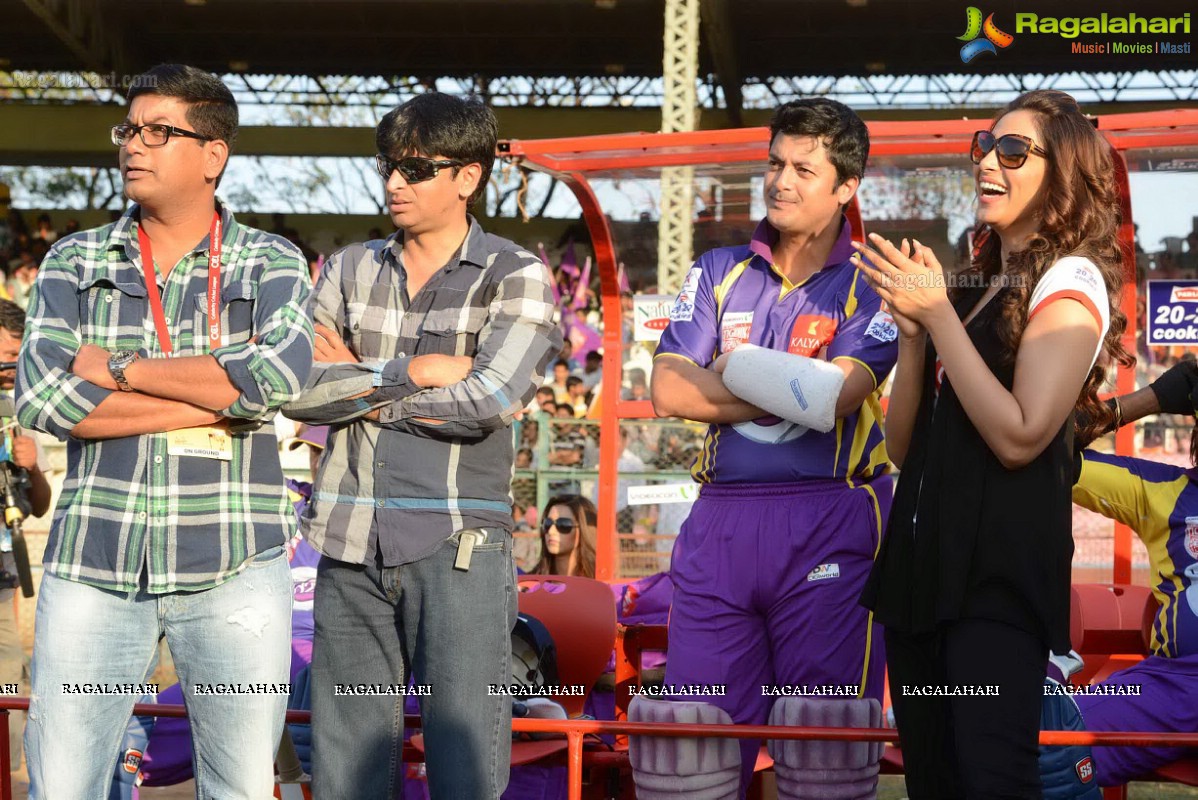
796, 388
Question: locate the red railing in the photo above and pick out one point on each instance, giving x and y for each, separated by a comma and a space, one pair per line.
575, 729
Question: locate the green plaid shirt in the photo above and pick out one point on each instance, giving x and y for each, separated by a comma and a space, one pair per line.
127, 505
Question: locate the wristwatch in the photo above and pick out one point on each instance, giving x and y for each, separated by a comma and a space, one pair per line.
117, 363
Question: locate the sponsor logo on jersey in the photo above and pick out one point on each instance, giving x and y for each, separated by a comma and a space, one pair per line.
735, 329
684, 306
1085, 770
1086, 276
303, 584
824, 572
882, 327
810, 333
131, 763
1192, 536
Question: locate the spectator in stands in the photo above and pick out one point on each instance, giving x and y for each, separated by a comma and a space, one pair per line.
788, 518
546, 400
72, 226
577, 392
628, 464
561, 374
568, 537
638, 387
415, 486
24, 276
592, 371
33, 491
133, 553
45, 229
6, 231
567, 355
972, 581
567, 442
524, 458
1160, 503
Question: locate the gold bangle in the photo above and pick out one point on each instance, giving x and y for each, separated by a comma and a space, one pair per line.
1118, 414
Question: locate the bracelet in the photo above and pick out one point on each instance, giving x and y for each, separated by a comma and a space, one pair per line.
1118, 414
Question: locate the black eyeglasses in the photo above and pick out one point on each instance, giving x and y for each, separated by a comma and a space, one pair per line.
415, 169
563, 525
153, 135
1012, 148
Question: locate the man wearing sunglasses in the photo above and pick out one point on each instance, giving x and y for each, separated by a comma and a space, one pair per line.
429, 344
156, 347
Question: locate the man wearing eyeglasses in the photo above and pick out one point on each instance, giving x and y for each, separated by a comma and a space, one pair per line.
429, 343
156, 347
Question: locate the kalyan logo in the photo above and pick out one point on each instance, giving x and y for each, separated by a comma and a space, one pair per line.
809, 333
974, 27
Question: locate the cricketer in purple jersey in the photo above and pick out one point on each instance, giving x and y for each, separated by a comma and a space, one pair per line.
733, 296
1160, 503
768, 566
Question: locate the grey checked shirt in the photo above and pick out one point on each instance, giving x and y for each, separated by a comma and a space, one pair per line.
399, 487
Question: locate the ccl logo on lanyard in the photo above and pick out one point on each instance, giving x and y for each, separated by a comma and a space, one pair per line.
147, 262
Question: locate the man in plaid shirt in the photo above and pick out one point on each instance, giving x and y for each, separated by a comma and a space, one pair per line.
174, 513
429, 343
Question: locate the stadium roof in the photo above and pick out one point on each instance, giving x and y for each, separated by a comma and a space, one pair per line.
742, 40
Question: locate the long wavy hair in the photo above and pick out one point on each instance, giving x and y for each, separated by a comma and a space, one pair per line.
586, 520
1079, 215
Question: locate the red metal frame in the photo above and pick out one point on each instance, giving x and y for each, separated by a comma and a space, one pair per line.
576, 160
575, 729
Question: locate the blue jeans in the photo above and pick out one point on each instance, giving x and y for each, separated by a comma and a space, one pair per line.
237, 633
453, 629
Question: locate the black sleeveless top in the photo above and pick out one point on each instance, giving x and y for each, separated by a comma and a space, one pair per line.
967, 537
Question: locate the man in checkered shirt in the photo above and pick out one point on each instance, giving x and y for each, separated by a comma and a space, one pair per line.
429, 343
173, 512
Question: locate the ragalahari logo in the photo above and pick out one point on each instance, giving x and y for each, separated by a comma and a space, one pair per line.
974, 27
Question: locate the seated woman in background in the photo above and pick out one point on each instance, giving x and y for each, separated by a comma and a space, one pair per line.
568, 537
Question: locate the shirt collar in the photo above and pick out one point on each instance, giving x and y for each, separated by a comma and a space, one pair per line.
766, 236
473, 251
124, 231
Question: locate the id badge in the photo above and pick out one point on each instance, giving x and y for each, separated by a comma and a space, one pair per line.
208, 441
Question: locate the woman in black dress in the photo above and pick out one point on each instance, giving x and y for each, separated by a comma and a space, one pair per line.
972, 581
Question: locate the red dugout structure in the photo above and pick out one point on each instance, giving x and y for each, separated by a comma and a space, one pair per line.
1138, 139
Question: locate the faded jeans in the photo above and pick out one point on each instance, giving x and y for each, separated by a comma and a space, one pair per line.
453, 628
238, 633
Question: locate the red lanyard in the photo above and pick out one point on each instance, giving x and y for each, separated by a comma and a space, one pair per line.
147, 263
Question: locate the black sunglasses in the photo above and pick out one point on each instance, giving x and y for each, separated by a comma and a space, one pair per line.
563, 525
1012, 148
415, 169
153, 135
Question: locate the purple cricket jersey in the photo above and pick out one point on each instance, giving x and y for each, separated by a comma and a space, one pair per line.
304, 560
734, 295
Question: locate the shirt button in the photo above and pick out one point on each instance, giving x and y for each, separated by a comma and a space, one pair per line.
401, 354
379, 503
108, 297
142, 515
157, 459
381, 464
